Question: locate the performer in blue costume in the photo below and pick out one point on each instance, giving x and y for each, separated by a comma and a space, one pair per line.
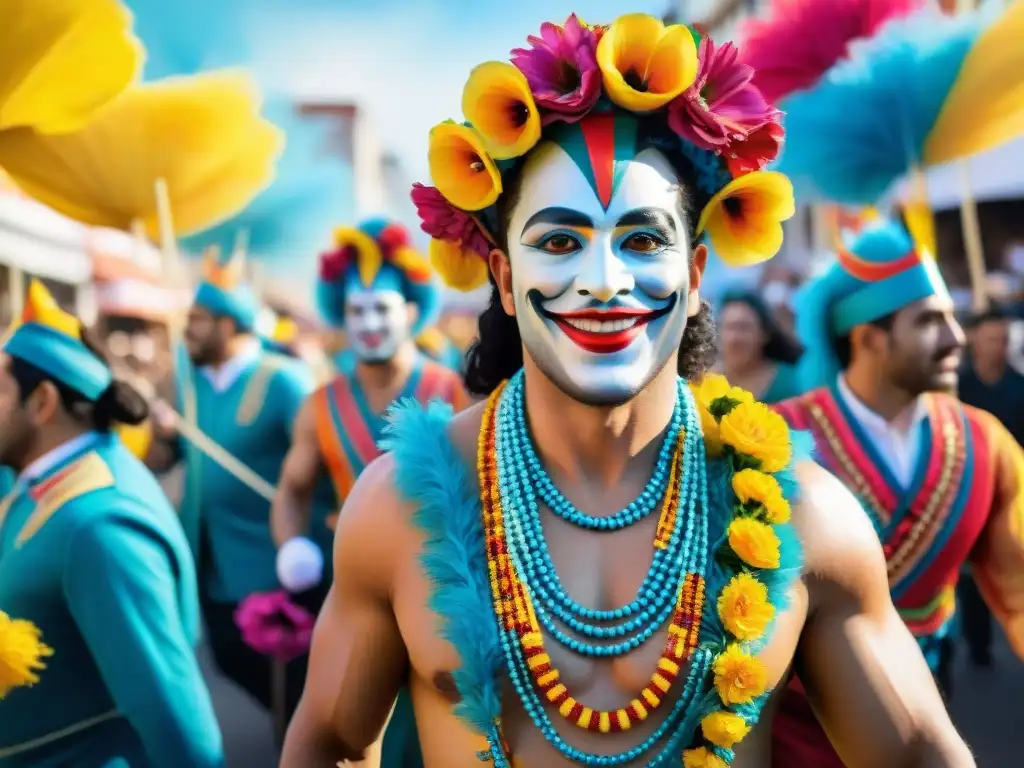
382, 292
93, 554
245, 399
942, 482
599, 566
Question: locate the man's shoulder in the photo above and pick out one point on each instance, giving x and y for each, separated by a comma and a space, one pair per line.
795, 409
832, 525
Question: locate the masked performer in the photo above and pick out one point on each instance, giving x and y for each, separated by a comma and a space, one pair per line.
92, 553
942, 482
246, 399
382, 293
597, 567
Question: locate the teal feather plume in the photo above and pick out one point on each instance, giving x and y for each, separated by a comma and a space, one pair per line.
431, 474
865, 124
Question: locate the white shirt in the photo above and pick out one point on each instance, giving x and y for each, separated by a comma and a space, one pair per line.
53, 457
898, 446
226, 374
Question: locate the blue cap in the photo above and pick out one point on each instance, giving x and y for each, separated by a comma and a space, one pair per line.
877, 274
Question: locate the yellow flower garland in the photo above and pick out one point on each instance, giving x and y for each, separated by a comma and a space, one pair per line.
21, 653
756, 442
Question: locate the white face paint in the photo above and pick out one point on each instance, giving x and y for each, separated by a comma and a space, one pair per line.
377, 323
600, 295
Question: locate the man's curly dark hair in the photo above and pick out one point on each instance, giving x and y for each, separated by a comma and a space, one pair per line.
498, 351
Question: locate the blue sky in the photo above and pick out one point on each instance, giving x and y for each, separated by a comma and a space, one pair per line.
403, 61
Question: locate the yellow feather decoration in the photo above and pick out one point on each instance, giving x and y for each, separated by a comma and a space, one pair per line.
985, 107
203, 135
61, 60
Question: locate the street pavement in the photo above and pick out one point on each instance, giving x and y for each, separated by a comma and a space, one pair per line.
983, 707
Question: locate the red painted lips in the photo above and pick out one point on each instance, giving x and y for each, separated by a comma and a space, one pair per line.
603, 331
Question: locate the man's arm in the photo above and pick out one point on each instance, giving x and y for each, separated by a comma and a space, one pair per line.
165, 448
122, 591
289, 514
998, 560
864, 673
358, 658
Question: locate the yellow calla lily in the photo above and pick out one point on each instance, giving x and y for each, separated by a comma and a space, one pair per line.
458, 268
743, 221
461, 168
498, 103
645, 64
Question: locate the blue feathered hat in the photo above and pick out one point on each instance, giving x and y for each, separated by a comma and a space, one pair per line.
223, 292
878, 273
377, 254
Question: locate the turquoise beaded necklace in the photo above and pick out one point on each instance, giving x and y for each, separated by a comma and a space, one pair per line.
522, 481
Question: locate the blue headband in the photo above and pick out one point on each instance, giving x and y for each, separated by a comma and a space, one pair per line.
239, 304
64, 358
879, 274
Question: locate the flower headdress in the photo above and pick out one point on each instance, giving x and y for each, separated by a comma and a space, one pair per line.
587, 87
377, 253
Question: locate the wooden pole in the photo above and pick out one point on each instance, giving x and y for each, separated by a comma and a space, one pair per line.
973, 247
969, 222
16, 286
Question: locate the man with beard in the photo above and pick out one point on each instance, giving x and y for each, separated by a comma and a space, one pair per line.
942, 482
245, 399
598, 566
382, 293
93, 555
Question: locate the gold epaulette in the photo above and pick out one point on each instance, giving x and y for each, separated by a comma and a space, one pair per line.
87, 474
256, 390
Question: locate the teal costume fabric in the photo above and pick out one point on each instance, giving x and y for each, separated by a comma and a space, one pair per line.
252, 419
93, 554
785, 385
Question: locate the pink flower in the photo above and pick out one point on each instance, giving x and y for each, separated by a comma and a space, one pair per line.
561, 69
723, 105
757, 150
443, 221
273, 625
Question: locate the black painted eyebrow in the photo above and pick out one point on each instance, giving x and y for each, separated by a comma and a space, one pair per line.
559, 217
641, 217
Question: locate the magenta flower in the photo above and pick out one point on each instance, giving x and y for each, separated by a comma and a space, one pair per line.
723, 105
561, 69
443, 221
273, 625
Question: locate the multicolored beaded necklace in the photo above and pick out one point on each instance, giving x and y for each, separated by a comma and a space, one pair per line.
528, 595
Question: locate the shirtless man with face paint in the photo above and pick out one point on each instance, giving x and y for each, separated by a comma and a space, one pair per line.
502, 560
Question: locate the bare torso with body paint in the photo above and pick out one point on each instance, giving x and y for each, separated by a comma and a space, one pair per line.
862, 669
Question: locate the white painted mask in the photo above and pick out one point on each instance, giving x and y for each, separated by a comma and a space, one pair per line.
376, 323
600, 294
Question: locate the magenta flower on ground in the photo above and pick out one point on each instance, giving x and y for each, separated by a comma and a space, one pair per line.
723, 105
274, 626
443, 221
562, 70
